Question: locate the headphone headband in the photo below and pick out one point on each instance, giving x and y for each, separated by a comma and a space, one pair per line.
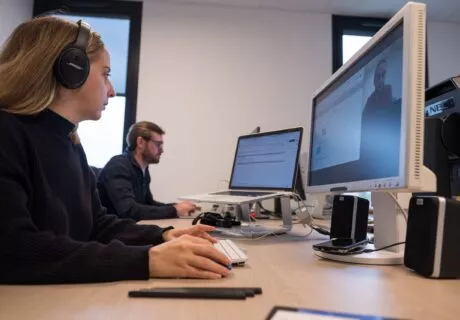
83, 35
71, 67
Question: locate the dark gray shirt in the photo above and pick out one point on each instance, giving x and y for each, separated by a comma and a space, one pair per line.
125, 190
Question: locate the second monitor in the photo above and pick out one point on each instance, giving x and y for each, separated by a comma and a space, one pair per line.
367, 128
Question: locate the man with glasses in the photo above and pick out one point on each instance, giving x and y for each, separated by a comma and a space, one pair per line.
381, 125
124, 182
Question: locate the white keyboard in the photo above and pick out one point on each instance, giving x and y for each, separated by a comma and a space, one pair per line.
232, 251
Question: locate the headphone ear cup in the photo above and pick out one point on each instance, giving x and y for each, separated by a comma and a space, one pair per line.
72, 67
197, 218
224, 223
236, 222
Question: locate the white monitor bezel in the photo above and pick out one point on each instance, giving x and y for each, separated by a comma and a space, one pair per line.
413, 17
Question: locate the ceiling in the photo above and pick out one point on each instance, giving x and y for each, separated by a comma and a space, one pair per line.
437, 10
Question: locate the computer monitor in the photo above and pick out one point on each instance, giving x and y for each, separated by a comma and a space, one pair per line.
367, 128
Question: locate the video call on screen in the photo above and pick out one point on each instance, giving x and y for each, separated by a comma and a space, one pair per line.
357, 121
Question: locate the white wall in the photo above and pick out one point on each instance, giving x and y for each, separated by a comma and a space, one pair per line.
13, 12
443, 50
209, 74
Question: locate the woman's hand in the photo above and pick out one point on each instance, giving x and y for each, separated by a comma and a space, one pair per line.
187, 257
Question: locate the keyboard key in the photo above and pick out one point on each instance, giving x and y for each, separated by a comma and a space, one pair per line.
231, 250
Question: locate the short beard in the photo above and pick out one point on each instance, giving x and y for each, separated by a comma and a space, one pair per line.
149, 159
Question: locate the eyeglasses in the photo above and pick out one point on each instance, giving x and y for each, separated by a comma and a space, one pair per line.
158, 144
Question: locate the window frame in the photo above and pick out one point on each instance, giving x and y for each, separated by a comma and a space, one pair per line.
109, 9
346, 25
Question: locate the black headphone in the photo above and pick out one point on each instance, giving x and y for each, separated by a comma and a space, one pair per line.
216, 220
71, 67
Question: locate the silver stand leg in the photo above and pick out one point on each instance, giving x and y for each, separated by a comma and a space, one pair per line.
245, 209
286, 212
257, 207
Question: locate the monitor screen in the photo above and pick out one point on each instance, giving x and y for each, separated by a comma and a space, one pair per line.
356, 121
267, 160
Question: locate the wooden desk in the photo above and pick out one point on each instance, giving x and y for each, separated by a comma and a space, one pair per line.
284, 266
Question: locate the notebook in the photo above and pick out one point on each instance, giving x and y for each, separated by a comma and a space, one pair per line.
264, 167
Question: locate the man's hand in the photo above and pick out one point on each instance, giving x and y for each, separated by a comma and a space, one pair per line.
187, 257
185, 208
200, 231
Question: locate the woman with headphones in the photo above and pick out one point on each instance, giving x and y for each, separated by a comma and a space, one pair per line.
53, 229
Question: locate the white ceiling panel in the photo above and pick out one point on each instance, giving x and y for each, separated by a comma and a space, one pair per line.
437, 10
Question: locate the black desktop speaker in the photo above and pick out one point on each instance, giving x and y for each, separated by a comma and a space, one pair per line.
433, 237
349, 217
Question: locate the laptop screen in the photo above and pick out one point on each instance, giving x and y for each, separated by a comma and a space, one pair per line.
267, 160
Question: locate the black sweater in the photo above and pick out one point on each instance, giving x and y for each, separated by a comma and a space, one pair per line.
53, 228
125, 190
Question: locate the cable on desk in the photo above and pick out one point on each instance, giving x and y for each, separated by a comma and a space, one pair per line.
310, 223
266, 211
403, 212
269, 233
386, 247
303, 235
360, 250
300, 205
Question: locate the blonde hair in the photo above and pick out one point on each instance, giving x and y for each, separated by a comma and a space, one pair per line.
27, 83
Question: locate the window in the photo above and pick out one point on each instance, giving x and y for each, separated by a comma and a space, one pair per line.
351, 44
119, 23
104, 138
349, 34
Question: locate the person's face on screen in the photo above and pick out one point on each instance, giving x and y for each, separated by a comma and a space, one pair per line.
153, 148
95, 93
380, 74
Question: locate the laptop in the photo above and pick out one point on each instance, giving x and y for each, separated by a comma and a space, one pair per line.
264, 167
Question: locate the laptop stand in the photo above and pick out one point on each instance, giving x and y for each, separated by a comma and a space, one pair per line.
286, 214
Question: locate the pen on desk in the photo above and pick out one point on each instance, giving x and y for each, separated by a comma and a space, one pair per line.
238, 293
250, 291
189, 294
195, 292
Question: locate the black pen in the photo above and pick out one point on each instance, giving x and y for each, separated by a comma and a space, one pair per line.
250, 291
189, 293
237, 293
